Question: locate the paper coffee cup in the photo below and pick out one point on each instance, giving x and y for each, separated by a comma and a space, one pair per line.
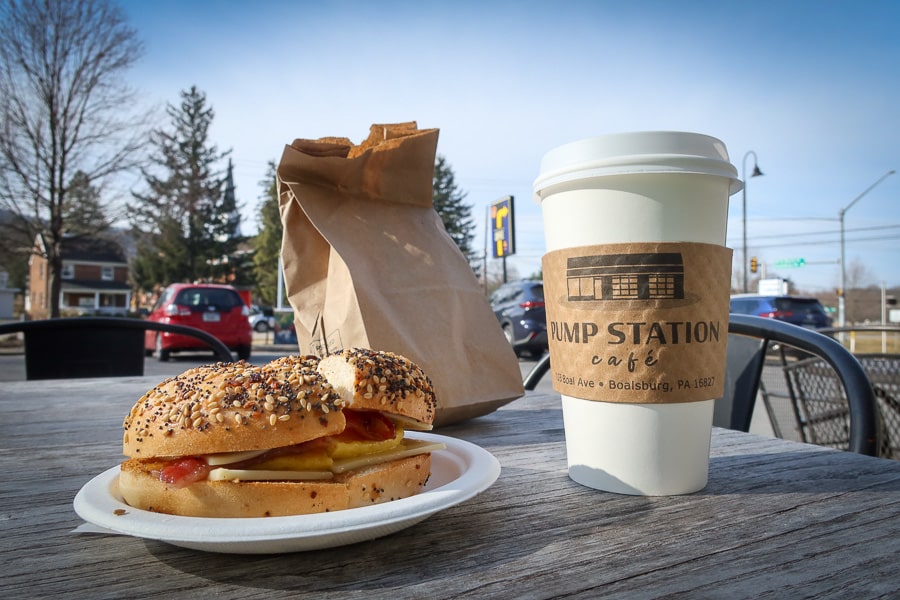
636, 284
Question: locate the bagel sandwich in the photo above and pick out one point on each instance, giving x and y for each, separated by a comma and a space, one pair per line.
298, 435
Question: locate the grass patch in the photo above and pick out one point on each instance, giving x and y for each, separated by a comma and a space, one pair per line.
870, 342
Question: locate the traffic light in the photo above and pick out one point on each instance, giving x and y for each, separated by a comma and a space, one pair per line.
754, 264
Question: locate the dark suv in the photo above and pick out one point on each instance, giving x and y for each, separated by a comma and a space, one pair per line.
519, 306
798, 310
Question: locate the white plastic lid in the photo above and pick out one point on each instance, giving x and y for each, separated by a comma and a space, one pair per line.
636, 153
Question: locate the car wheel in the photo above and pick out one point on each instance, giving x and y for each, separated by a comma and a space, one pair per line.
262, 327
243, 352
508, 332
162, 355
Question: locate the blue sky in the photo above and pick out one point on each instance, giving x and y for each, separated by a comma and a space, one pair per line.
812, 87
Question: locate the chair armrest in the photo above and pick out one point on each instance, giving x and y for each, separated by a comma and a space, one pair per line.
863, 411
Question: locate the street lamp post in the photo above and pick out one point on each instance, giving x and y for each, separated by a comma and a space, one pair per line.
756, 173
841, 213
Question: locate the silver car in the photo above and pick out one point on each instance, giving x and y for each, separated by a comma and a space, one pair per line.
261, 319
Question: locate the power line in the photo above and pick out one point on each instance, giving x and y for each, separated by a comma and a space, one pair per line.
828, 232
822, 242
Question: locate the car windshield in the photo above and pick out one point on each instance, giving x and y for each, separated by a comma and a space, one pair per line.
202, 297
798, 305
162, 300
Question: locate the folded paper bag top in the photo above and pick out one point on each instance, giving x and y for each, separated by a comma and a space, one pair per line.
367, 262
394, 164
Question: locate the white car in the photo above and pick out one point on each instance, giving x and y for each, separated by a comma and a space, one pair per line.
260, 321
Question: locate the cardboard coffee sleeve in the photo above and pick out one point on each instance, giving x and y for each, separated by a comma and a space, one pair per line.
367, 262
638, 323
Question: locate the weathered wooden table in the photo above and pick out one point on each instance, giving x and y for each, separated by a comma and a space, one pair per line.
778, 519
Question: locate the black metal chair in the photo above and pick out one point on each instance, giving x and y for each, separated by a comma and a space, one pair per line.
822, 414
748, 341
95, 346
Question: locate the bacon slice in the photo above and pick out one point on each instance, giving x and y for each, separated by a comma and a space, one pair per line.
184, 471
368, 426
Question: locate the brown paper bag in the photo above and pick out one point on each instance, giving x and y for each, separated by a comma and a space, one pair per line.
367, 262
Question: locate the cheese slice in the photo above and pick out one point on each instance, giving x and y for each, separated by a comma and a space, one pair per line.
405, 449
307, 461
225, 474
228, 458
339, 449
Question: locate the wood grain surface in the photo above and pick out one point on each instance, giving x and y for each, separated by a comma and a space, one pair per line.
778, 519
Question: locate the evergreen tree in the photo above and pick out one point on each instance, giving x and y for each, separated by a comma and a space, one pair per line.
85, 213
234, 264
160, 256
267, 243
455, 214
184, 222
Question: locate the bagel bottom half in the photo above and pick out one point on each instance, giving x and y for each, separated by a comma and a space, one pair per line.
397, 479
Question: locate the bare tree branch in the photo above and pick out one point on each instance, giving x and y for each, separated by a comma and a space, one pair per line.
65, 108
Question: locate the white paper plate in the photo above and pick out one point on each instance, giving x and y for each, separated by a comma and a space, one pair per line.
458, 473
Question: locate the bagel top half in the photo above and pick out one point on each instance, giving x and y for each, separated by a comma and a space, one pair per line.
232, 407
235, 407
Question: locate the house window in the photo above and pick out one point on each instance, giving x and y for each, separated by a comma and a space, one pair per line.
68, 271
108, 273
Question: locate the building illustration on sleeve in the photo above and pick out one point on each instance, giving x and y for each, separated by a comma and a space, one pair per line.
640, 276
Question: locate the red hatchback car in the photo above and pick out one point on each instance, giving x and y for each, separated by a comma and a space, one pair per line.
216, 309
